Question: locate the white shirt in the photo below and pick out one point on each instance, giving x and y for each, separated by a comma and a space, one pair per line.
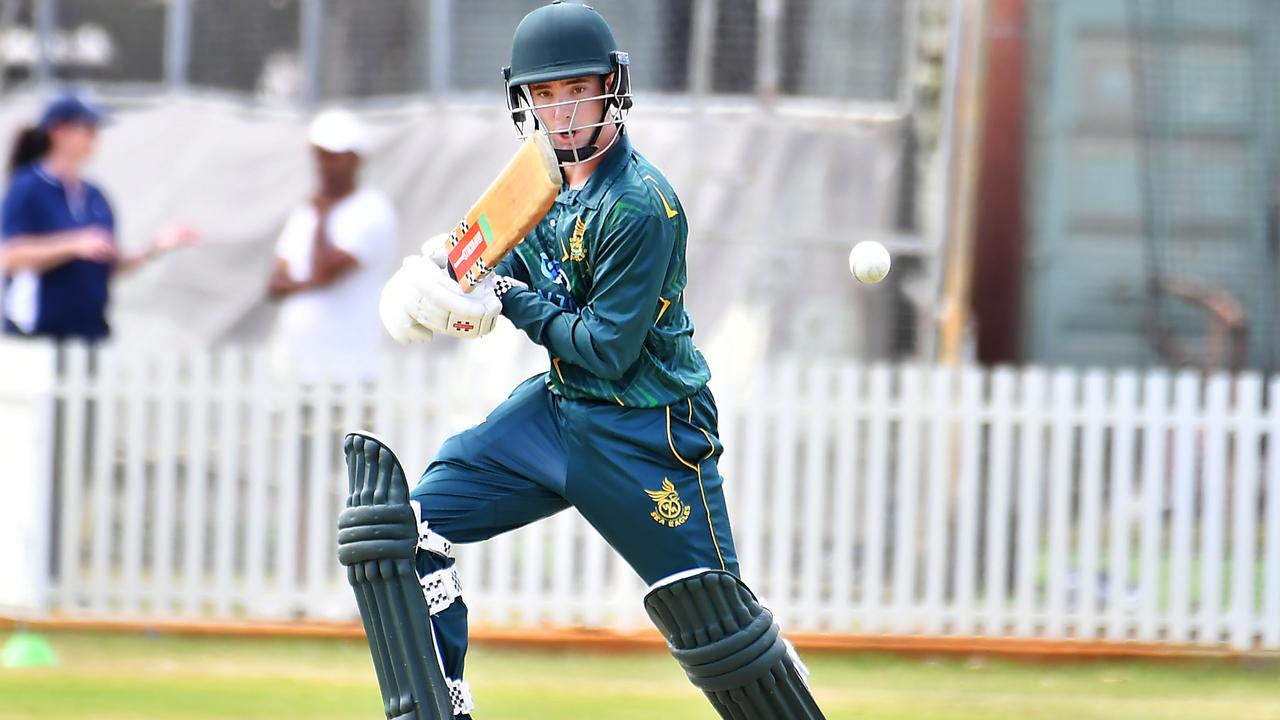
334, 332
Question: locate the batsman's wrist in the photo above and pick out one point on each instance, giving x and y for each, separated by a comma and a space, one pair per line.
503, 286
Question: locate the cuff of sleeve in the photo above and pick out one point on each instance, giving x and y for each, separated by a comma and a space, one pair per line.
524, 308
515, 300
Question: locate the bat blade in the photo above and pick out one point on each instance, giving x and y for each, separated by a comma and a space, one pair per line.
513, 204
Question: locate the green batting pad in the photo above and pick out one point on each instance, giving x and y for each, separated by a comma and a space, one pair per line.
731, 649
377, 540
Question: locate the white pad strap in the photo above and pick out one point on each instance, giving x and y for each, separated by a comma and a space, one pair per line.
429, 539
432, 541
460, 694
441, 588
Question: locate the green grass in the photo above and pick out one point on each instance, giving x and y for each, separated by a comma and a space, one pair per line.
117, 676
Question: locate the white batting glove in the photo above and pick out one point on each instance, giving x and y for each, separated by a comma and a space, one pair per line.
398, 296
442, 307
436, 249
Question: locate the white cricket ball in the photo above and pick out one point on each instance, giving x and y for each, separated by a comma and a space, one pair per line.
869, 261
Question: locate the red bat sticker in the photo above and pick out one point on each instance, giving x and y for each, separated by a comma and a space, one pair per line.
468, 250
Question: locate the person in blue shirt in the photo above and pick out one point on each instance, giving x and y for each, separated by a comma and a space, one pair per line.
58, 246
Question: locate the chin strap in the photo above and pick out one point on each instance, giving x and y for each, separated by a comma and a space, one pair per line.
577, 155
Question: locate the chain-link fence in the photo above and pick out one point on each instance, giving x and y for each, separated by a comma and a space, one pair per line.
109, 40
864, 59
246, 45
1204, 158
314, 50
1153, 189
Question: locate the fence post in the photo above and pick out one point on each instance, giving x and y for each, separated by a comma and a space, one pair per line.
440, 48
702, 49
46, 27
906, 99
312, 42
26, 414
177, 45
768, 49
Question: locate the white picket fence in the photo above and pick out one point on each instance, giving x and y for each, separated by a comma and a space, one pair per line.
880, 499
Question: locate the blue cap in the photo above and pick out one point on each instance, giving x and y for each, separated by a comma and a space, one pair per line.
71, 109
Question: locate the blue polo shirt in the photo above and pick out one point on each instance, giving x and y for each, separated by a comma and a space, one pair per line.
69, 300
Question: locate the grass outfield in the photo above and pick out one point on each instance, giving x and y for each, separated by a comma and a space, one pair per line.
118, 676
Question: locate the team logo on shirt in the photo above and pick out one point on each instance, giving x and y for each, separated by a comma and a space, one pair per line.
577, 252
554, 271
671, 510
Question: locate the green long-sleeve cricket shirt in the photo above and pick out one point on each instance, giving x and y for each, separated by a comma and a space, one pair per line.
606, 271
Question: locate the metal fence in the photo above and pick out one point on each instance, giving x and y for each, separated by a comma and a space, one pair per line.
316, 50
886, 499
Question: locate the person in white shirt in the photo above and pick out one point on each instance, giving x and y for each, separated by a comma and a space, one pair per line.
332, 257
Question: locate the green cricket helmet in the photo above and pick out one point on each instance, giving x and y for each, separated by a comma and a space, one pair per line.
560, 41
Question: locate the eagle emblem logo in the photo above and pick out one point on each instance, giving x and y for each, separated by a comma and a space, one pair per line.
671, 510
577, 252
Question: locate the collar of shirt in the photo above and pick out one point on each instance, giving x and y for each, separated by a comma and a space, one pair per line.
74, 193
602, 178
44, 175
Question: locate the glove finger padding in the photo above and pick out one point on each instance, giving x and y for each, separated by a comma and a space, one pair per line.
393, 303
436, 249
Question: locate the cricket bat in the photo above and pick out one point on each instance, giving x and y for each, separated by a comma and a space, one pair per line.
514, 203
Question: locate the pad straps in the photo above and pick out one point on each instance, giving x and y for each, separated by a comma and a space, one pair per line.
429, 539
441, 588
460, 694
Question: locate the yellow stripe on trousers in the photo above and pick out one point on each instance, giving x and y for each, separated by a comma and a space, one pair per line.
698, 469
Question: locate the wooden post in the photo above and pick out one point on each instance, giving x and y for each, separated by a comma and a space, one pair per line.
954, 312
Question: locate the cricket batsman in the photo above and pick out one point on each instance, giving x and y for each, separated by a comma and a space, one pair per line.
622, 427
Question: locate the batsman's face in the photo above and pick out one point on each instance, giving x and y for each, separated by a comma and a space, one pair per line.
569, 108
